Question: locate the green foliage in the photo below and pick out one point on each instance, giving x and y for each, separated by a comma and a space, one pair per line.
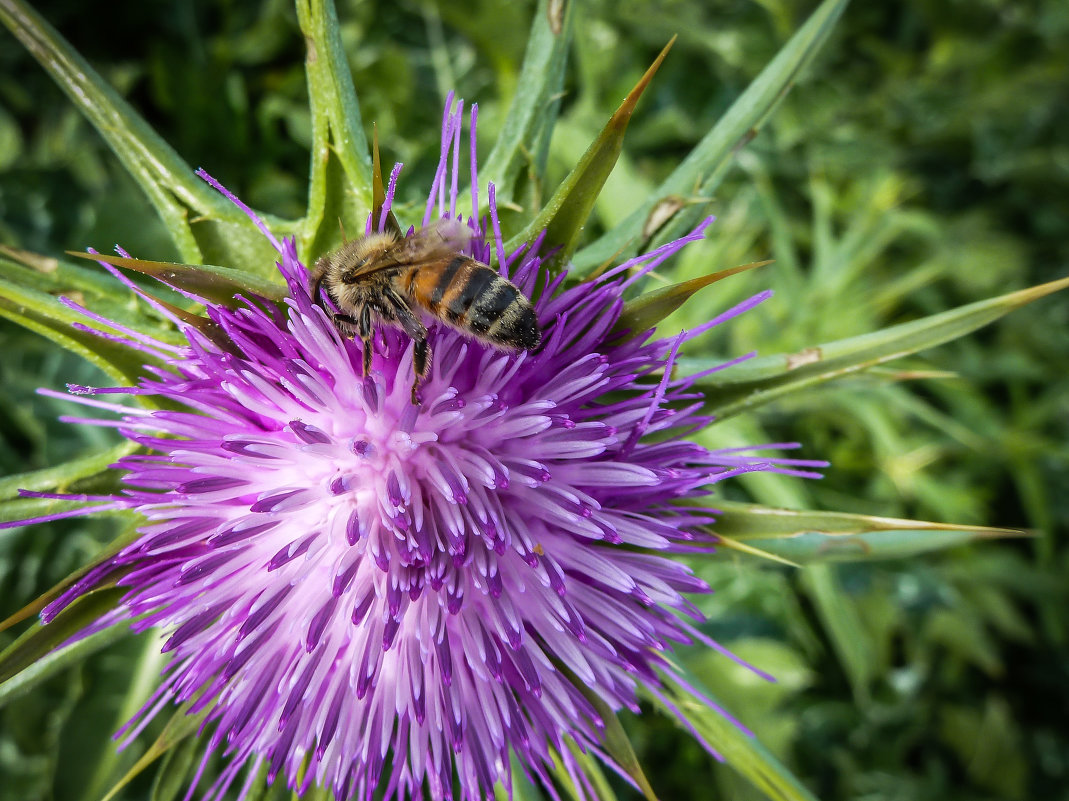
701, 172
775, 376
564, 216
914, 171
800, 537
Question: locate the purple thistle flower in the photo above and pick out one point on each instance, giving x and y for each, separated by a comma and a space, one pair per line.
377, 596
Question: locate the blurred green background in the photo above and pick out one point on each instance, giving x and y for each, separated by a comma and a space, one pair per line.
921, 163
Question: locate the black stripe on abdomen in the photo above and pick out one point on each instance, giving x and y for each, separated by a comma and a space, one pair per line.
491, 305
468, 291
444, 280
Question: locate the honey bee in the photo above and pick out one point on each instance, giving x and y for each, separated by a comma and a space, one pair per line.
394, 278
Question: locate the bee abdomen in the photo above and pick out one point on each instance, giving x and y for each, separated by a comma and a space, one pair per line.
473, 297
509, 318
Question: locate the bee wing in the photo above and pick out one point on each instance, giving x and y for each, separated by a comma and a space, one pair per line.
440, 240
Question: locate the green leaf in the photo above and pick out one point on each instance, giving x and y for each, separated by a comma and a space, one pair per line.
43, 667
89, 287
54, 276
40, 312
534, 100
378, 190
591, 769
522, 789
62, 477
616, 742
216, 227
708, 162
564, 217
747, 386
39, 603
178, 728
173, 778
341, 171
741, 751
22, 509
647, 310
39, 639
218, 284
813, 537
853, 642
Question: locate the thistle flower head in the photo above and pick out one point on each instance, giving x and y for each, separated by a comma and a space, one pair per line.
378, 596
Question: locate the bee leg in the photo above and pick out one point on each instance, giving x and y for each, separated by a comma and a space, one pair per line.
345, 324
363, 328
415, 329
421, 357
421, 362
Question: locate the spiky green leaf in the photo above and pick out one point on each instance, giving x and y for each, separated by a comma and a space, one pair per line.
592, 771
39, 640
65, 477
650, 308
17, 510
172, 780
807, 537
51, 275
741, 751
218, 284
564, 217
761, 380
341, 171
39, 603
89, 287
43, 313
179, 727
202, 224
616, 742
38, 666
378, 188
534, 100
708, 162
